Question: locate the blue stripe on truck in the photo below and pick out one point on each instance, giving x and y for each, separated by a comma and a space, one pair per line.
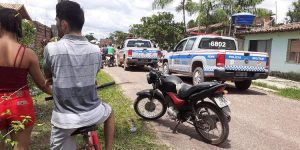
251, 58
214, 56
143, 51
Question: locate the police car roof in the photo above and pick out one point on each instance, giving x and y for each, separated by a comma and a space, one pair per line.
138, 40
212, 36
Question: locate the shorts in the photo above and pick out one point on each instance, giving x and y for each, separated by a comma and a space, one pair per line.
61, 139
15, 107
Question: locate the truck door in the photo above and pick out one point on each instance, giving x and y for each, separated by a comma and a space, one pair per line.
176, 58
187, 56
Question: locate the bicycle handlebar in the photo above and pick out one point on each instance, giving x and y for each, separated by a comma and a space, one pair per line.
98, 88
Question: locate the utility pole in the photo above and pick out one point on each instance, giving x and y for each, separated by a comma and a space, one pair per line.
230, 25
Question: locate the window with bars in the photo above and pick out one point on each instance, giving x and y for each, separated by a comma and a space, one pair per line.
293, 55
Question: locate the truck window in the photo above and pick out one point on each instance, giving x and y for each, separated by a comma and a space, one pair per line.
180, 46
217, 43
139, 43
190, 44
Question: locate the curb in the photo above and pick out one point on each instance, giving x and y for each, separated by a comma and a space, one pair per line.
264, 89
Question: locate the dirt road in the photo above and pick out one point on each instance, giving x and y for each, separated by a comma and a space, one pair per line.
260, 121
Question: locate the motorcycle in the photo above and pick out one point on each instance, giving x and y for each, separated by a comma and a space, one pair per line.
203, 106
110, 60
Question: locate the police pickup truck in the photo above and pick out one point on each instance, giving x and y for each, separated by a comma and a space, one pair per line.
138, 52
210, 57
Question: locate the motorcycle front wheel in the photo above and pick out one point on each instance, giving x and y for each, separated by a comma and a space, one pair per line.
149, 109
212, 125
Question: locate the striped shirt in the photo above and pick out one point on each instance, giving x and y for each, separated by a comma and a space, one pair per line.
74, 64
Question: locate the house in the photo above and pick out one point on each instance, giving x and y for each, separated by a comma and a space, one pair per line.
20, 8
105, 42
43, 33
281, 42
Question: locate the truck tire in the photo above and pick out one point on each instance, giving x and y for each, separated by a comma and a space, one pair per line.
198, 76
243, 85
165, 68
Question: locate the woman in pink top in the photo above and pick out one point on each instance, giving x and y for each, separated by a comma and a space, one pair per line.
16, 62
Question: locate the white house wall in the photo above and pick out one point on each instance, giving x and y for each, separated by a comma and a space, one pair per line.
278, 50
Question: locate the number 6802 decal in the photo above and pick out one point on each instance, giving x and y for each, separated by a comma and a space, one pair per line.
217, 44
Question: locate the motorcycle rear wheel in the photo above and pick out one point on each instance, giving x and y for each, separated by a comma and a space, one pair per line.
209, 123
146, 109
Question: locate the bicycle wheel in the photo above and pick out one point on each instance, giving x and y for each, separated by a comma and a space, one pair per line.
94, 141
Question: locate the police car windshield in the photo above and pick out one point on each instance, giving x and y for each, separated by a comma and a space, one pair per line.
139, 43
217, 43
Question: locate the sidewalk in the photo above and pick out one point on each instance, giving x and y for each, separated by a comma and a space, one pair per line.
279, 83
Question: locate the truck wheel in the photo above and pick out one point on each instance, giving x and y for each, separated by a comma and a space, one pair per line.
243, 85
125, 65
198, 76
165, 68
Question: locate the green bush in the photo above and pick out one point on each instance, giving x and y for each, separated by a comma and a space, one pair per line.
29, 35
290, 75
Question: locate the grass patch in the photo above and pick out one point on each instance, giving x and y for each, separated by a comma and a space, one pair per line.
124, 139
143, 139
292, 93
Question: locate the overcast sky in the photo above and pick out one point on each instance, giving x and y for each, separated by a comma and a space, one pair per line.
106, 16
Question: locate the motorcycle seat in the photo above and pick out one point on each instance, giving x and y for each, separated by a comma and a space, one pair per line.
186, 90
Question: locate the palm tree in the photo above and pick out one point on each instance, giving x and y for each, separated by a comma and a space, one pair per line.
163, 3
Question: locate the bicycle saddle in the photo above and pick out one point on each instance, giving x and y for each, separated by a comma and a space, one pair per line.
84, 129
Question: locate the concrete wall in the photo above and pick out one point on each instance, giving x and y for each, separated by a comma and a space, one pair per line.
278, 49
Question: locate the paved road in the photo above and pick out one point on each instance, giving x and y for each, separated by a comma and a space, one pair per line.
260, 121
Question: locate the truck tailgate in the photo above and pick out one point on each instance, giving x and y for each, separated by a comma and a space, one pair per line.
246, 61
144, 53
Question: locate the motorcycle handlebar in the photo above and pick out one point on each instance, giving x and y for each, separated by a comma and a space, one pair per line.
98, 88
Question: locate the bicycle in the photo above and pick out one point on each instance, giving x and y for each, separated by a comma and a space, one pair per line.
89, 133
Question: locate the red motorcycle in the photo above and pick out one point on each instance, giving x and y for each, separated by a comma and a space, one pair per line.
204, 105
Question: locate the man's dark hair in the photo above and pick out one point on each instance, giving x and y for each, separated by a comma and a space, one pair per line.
11, 21
72, 13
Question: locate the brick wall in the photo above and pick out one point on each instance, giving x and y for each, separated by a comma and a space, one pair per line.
105, 42
42, 32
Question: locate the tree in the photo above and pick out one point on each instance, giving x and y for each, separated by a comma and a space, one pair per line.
246, 5
294, 13
263, 13
90, 37
29, 32
137, 30
163, 3
161, 28
216, 11
211, 12
118, 37
192, 24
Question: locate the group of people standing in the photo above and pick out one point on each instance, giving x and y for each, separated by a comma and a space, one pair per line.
70, 68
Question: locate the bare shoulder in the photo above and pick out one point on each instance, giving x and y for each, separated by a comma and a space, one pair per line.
31, 55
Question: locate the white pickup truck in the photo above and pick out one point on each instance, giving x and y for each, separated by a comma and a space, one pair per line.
209, 57
138, 52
